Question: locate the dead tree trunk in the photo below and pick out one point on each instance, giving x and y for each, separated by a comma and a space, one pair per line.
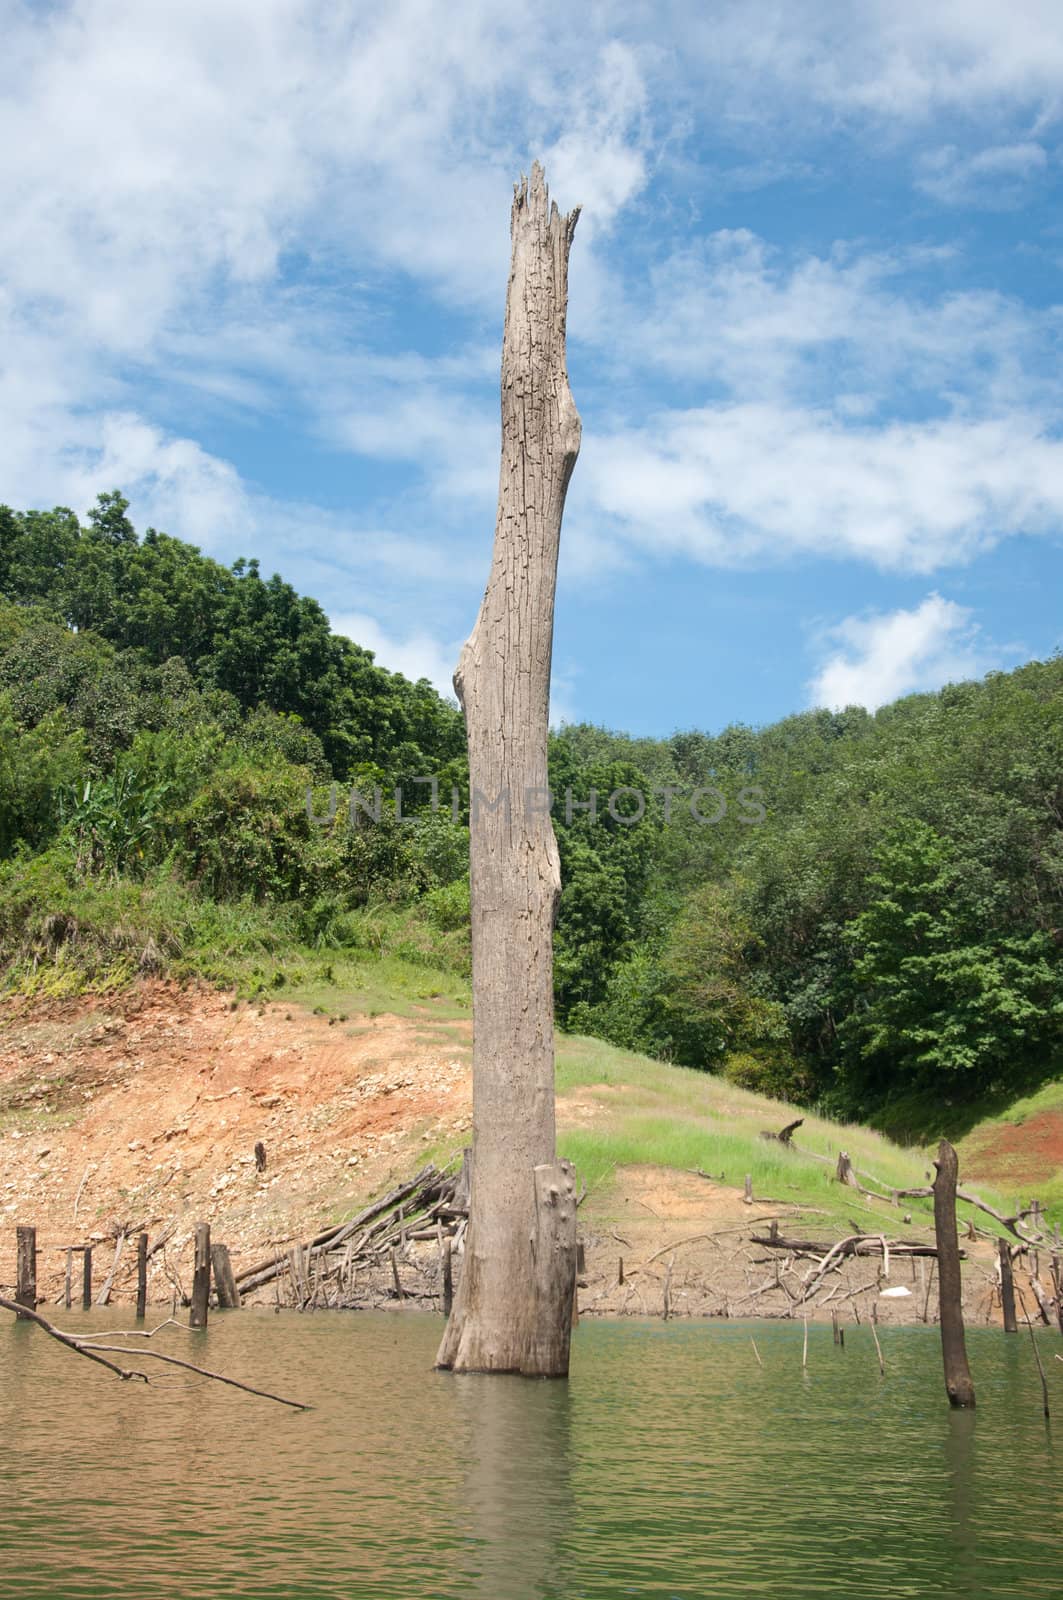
26, 1267
512, 1311
197, 1317
1007, 1287
958, 1383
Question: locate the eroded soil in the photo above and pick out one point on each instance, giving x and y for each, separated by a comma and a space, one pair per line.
143, 1111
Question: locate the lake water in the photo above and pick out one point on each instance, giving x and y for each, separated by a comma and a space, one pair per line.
671, 1465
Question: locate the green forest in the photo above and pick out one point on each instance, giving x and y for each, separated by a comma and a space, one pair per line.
863, 913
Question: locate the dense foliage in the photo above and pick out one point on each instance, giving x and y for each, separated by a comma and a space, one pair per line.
860, 910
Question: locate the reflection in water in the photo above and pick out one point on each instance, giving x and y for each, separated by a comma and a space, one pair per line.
961, 1444
517, 1484
670, 1466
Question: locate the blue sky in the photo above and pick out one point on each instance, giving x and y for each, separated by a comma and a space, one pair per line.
253, 258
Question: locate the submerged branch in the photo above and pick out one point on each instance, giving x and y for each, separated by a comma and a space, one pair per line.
90, 1349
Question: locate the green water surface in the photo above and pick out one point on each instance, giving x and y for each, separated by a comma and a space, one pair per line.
670, 1465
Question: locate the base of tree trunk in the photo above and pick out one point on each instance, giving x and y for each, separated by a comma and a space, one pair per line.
533, 1334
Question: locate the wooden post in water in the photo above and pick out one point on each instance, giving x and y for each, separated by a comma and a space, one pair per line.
1057, 1284
958, 1385
68, 1283
26, 1269
86, 1278
1007, 1287
448, 1278
224, 1281
142, 1275
201, 1278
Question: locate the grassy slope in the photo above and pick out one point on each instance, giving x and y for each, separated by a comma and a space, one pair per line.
648, 1111
621, 1109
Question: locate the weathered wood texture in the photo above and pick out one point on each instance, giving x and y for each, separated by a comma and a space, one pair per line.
500, 1321
201, 1278
1007, 1287
86, 1279
142, 1275
224, 1282
26, 1268
958, 1384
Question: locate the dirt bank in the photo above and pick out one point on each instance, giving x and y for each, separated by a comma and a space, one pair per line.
142, 1111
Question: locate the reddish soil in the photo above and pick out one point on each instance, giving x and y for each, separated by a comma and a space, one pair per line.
143, 1110
1018, 1154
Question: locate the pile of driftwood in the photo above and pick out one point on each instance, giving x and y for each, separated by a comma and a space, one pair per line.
826, 1257
379, 1256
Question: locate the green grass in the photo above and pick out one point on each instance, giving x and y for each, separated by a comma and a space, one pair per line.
61, 934
647, 1112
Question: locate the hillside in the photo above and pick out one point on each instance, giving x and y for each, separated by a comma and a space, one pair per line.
199, 779
142, 1109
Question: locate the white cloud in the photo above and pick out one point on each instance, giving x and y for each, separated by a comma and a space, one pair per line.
881, 657
231, 203
892, 60
416, 655
756, 482
223, 209
599, 160
995, 178
748, 318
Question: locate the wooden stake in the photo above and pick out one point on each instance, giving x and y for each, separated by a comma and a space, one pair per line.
26, 1269
668, 1289
878, 1348
201, 1278
1007, 1287
224, 1282
958, 1384
396, 1284
86, 1279
1057, 1284
69, 1283
1037, 1356
620, 1272
142, 1275
804, 1352
448, 1278
929, 1286
105, 1292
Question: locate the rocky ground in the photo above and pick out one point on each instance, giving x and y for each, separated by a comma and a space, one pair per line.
143, 1111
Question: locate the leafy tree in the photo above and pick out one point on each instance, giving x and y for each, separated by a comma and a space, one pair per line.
36, 766
945, 1001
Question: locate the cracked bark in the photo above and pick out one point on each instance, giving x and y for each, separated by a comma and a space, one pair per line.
512, 1311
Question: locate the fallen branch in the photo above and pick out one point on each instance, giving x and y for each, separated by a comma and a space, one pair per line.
1011, 1223
71, 1343
204, 1372
859, 1244
784, 1135
91, 1351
